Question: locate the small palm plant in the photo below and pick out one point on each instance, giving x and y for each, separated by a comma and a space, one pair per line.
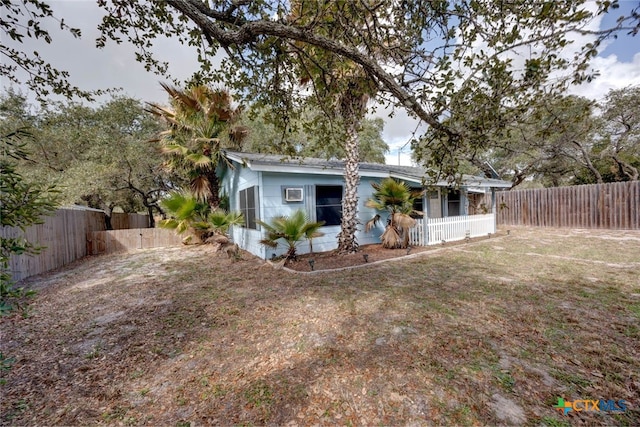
396, 198
190, 213
220, 220
186, 211
291, 229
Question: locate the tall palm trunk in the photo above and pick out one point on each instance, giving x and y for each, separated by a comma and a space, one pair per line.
352, 109
214, 188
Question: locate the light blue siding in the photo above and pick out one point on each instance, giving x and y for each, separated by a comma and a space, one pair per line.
249, 240
272, 204
234, 180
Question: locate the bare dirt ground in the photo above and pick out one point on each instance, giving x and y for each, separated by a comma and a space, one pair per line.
485, 333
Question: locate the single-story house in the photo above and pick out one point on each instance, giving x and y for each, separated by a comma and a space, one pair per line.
264, 186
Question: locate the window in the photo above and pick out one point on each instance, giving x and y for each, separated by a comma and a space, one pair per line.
418, 206
248, 206
453, 203
329, 204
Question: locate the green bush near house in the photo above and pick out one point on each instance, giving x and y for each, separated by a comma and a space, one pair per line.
291, 230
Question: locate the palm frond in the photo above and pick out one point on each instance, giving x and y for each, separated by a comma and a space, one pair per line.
369, 225
390, 238
269, 243
198, 160
176, 149
200, 187
291, 230
404, 221
221, 221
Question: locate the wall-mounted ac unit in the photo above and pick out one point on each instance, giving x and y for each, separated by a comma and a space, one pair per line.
293, 194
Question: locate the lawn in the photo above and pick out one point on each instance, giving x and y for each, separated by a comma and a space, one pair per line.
483, 333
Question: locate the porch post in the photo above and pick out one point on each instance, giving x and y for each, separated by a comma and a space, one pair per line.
493, 209
425, 218
464, 201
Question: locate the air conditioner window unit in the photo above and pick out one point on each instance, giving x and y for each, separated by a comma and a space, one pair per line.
293, 194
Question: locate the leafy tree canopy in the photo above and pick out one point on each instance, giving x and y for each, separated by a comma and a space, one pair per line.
22, 203
26, 19
426, 56
619, 132
98, 156
313, 136
562, 140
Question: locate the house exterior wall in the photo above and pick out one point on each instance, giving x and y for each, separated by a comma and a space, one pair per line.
272, 203
233, 181
271, 190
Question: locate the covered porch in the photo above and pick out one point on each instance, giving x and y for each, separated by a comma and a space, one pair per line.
432, 231
453, 215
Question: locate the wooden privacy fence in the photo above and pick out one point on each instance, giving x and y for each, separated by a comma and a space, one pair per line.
614, 205
64, 236
106, 242
125, 221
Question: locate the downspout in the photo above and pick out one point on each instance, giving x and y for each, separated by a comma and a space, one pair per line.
261, 213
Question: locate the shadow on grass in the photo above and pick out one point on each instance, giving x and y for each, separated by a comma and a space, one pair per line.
430, 340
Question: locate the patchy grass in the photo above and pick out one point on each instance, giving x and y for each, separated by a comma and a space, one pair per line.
486, 333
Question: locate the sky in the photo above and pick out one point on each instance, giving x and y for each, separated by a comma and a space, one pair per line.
115, 66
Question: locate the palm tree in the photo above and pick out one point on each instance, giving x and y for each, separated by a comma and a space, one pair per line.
397, 199
198, 119
186, 212
220, 221
342, 89
292, 229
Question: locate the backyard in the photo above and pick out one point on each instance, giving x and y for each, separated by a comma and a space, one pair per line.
483, 333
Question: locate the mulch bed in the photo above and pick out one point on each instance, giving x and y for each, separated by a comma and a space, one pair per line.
366, 254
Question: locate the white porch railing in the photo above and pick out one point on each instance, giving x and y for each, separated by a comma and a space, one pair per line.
451, 228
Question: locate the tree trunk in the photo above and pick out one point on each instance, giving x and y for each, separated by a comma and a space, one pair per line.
588, 163
108, 211
626, 168
352, 109
214, 188
152, 220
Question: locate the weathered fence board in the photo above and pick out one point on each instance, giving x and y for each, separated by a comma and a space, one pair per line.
106, 242
125, 221
612, 205
64, 236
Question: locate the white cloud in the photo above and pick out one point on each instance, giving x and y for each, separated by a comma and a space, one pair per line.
614, 74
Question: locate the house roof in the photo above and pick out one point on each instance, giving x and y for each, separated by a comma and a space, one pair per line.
310, 165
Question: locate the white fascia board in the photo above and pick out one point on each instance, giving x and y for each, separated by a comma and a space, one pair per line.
474, 189
297, 169
406, 177
479, 182
375, 174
